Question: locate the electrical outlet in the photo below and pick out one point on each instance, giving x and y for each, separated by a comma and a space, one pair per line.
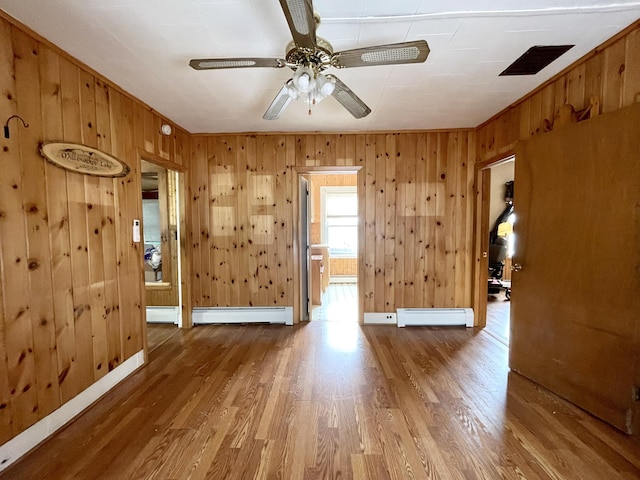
381, 318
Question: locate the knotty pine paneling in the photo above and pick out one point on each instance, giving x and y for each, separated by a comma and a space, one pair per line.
610, 74
415, 193
71, 278
343, 266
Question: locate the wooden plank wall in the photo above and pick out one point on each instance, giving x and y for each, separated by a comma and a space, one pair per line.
415, 195
72, 296
344, 266
610, 74
339, 266
71, 278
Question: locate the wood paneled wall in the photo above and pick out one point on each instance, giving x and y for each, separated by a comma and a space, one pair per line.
72, 296
609, 76
415, 199
71, 291
343, 266
242, 193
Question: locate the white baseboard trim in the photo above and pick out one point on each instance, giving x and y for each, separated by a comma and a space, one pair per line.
163, 314
380, 318
340, 279
43, 429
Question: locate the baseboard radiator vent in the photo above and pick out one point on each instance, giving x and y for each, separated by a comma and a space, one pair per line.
163, 314
214, 315
408, 317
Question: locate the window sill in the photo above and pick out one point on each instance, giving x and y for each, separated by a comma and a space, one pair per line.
157, 285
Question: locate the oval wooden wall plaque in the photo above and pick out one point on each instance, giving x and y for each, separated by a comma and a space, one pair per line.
83, 159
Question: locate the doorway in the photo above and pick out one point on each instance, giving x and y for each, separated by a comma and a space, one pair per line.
161, 251
333, 245
501, 247
494, 206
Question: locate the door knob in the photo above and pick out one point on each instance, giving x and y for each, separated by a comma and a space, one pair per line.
516, 267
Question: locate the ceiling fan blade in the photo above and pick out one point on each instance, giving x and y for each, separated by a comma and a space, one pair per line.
278, 105
299, 14
392, 54
218, 63
349, 100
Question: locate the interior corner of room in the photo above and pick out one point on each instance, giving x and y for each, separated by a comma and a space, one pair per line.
515, 232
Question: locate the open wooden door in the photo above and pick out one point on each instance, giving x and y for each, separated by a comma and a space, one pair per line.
575, 306
305, 274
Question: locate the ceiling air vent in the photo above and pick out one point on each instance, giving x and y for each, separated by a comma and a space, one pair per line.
535, 59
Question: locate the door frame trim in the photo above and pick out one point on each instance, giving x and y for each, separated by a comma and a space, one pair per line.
298, 246
336, 169
184, 262
482, 182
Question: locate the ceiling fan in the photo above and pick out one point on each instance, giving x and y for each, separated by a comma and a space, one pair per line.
309, 56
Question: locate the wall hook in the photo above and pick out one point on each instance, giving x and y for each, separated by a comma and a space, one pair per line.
6, 124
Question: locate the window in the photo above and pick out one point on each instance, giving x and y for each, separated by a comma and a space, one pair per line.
340, 220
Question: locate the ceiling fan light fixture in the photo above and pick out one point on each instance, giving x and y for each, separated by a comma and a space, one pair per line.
310, 85
291, 89
304, 79
326, 85
309, 55
304, 82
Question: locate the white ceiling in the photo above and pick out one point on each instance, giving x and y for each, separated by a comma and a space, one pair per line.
145, 46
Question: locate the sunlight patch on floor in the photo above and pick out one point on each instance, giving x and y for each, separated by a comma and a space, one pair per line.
339, 304
342, 337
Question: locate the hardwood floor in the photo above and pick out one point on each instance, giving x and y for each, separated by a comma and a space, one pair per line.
339, 304
498, 312
331, 400
158, 333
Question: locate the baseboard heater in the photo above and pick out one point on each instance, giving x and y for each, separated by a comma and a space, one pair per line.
216, 315
163, 314
408, 317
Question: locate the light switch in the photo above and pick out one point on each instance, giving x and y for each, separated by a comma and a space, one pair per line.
136, 231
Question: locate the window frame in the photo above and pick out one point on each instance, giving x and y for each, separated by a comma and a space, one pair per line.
324, 233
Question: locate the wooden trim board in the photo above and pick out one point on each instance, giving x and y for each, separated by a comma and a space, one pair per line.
21, 444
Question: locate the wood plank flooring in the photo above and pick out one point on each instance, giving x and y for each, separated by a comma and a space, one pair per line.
158, 333
339, 304
498, 317
329, 400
